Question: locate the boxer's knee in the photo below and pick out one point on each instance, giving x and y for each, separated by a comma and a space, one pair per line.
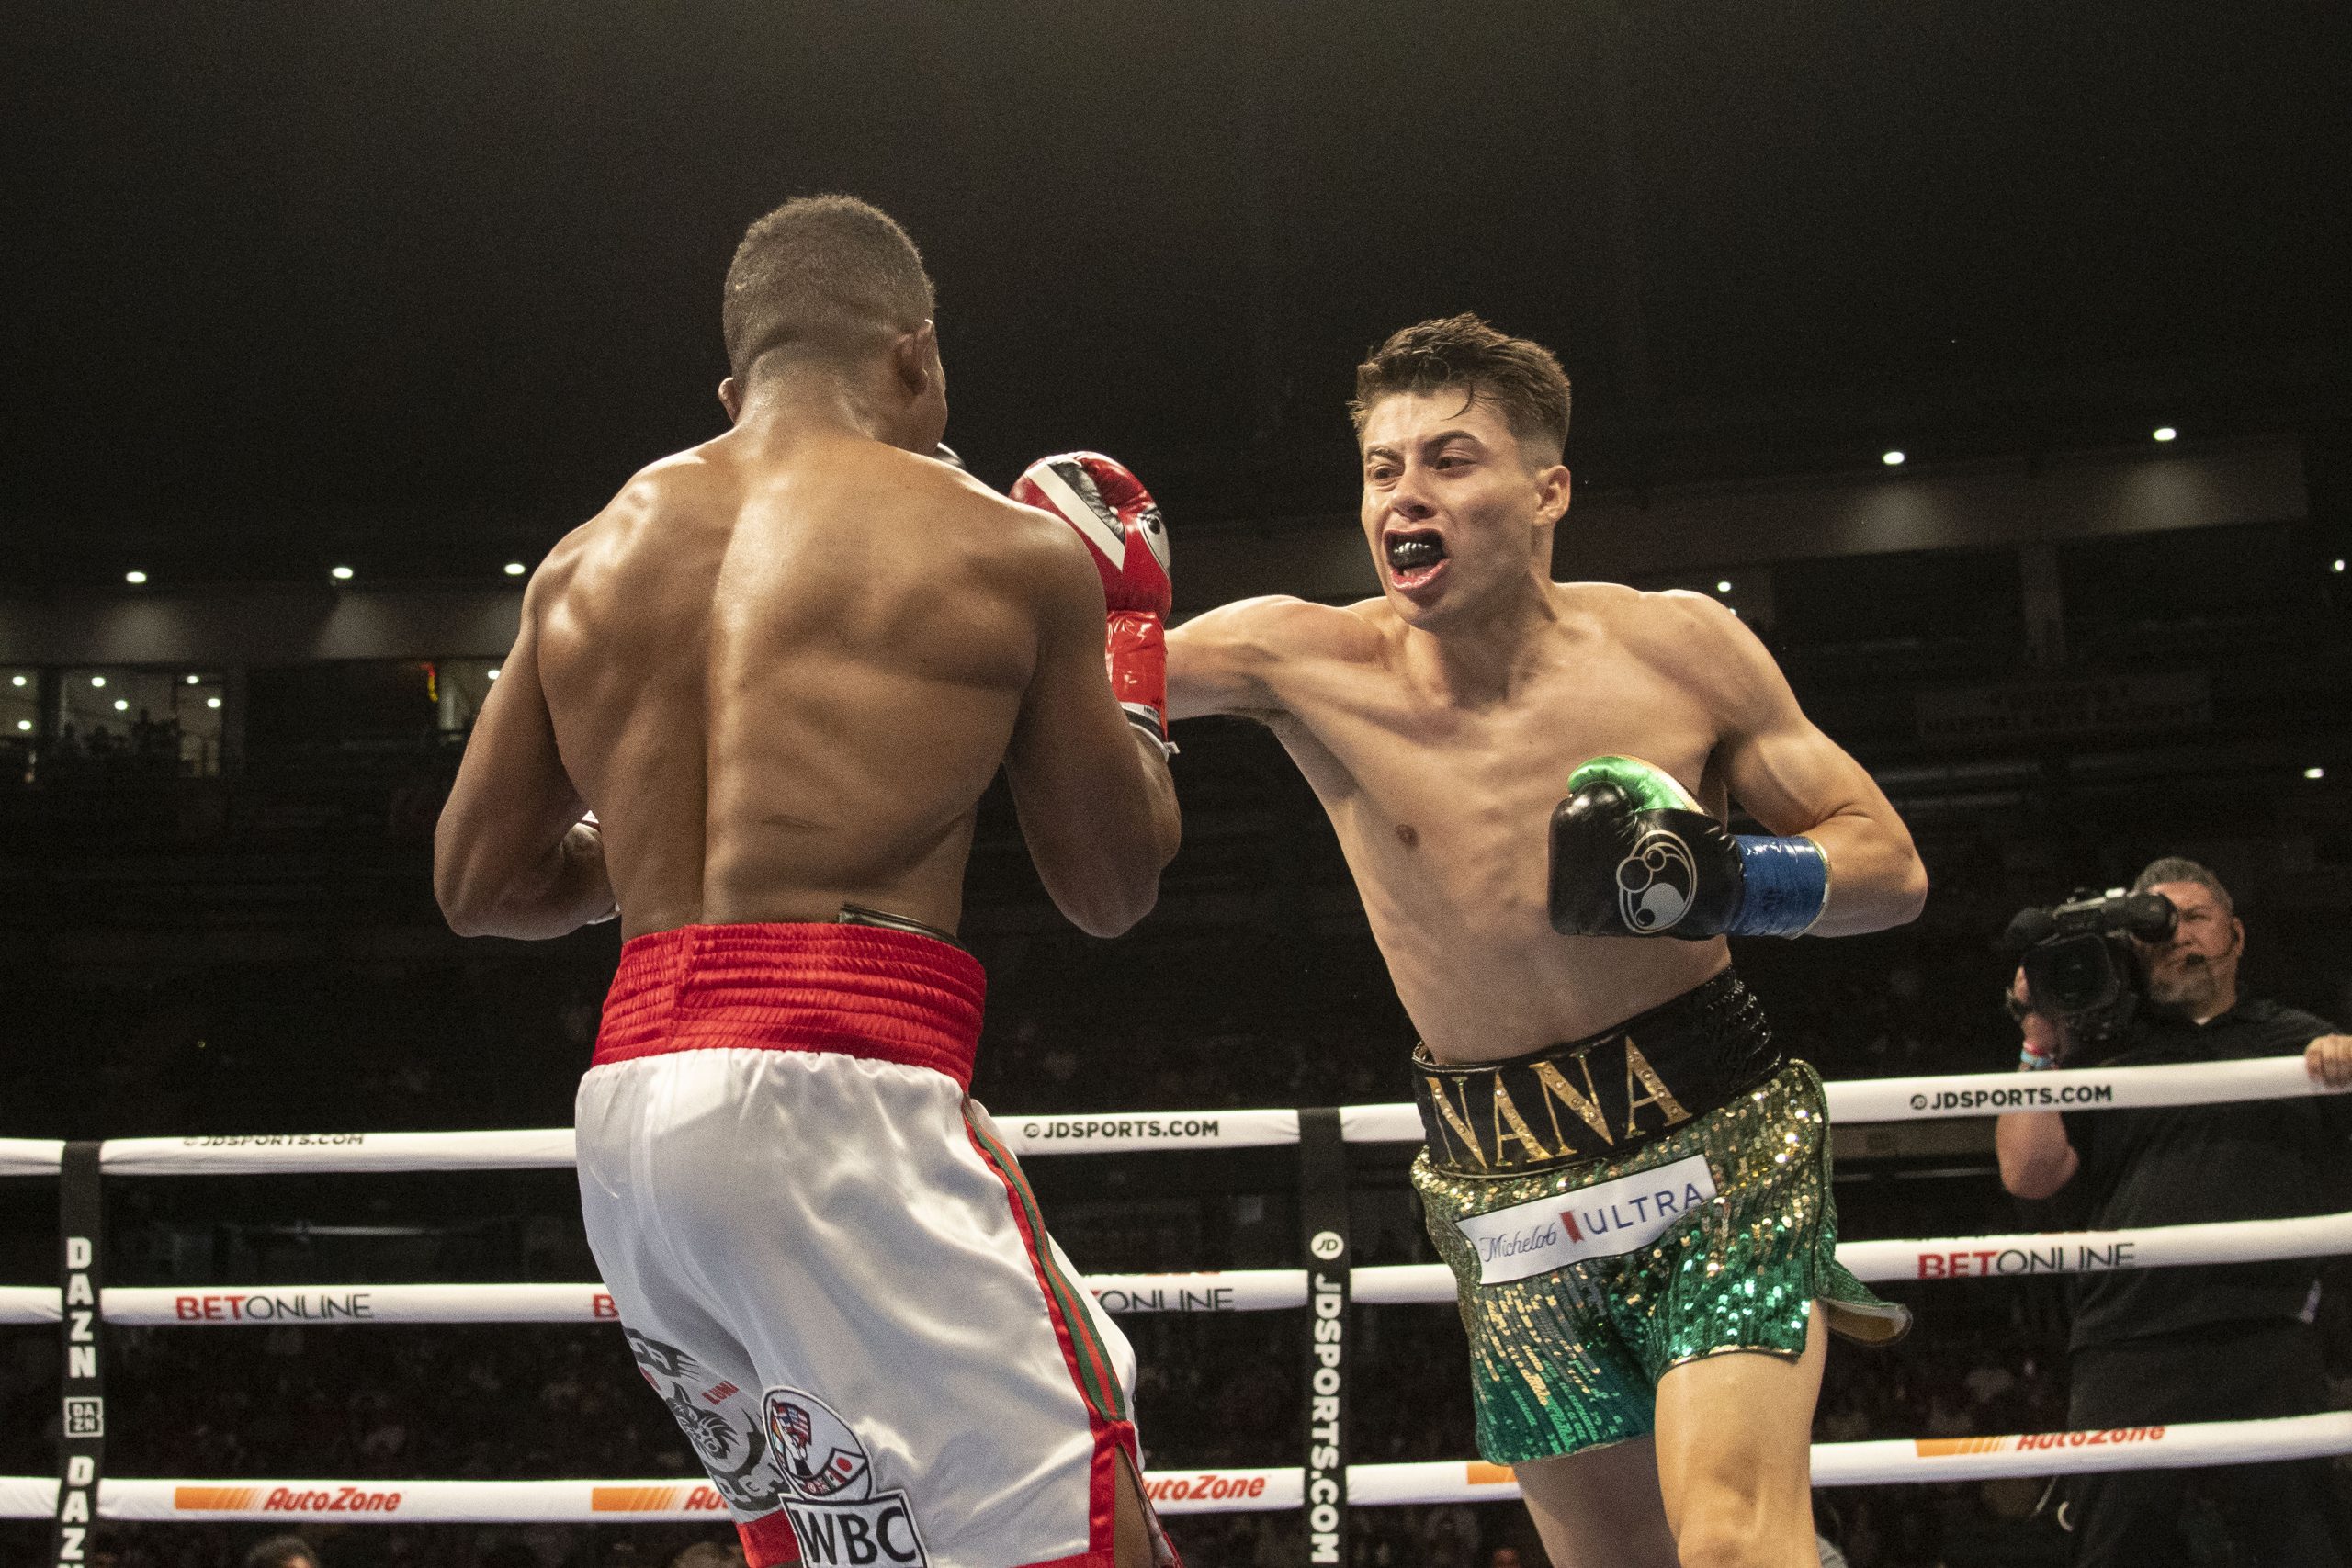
1735, 1528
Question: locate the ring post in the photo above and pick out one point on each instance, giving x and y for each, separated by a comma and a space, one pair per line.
82, 1433
1323, 1228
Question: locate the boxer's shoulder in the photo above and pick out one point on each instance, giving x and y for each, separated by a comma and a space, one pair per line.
1690, 637
1646, 614
1275, 630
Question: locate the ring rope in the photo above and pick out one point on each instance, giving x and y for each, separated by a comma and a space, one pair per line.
1233, 1290
1886, 1461
88, 1492
1852, 1101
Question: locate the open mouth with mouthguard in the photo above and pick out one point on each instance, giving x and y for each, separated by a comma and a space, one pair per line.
1415, 556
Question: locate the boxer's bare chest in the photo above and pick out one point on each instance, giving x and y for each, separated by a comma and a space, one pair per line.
1443, 802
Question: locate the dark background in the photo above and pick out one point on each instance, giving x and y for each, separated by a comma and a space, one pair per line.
429, 281
414, 288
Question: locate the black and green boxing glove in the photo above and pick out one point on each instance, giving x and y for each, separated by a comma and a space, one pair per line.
1633, 855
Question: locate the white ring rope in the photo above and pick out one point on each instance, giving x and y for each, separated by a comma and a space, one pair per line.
1235, 1290
1852, 1101
1892, 1461
30, 1156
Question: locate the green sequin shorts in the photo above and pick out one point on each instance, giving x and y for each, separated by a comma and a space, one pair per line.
1736, 1237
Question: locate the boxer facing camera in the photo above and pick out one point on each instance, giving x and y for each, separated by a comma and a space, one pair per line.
2080, 967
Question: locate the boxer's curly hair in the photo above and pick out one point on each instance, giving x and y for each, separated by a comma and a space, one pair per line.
1522, 379
821, 274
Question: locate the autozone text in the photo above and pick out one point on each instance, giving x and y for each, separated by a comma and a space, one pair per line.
342, 1500
2019, 1097
1203, 1488
1120, 1127
2089, 1440
1985, 1263
867, 1534
276, 1141
239, 1306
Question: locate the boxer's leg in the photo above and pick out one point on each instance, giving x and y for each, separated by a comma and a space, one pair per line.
1735, 1455
695, 1365
1599, 1509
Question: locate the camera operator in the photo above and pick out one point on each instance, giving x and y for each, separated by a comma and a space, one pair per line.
2227, 1342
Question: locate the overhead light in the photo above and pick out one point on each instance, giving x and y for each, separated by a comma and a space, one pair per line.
196, 680
340, 573
2314, 773
1892, 460
212, 702
2165, 433
121, 704
15, 680
2339, 564
515, 569
97, 679
1724, 586
24, 724
134, 577
494, 671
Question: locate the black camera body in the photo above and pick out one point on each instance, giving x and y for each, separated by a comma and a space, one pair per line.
2080, 969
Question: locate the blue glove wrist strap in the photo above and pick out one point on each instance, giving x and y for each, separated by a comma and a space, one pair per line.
1786, 885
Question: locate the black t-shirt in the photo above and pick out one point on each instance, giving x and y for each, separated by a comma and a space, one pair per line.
2187, 1164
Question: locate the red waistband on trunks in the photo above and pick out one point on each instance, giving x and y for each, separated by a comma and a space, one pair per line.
869, 991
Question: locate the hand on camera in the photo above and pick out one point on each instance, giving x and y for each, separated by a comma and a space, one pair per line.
2045, 1042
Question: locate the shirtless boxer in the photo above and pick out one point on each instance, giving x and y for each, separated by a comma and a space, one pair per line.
1627, 1177
781, 667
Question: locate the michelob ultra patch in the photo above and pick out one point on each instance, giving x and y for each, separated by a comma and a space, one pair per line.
1602, 1221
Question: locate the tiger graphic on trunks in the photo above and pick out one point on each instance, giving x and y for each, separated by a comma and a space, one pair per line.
718, 1418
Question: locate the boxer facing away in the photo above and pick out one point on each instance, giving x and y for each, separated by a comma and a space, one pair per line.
781, 668
1529, 778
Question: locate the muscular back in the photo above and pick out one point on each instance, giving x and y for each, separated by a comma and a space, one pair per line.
783, 672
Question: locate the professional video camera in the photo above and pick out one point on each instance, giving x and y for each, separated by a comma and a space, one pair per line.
2079, 967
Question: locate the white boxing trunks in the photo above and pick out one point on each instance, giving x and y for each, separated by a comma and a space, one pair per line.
829, 1266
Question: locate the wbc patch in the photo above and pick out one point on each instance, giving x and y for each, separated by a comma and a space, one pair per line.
839, 1519
1607, 1219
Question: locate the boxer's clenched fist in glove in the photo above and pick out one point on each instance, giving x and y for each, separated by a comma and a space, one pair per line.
1633, 855
1121, 524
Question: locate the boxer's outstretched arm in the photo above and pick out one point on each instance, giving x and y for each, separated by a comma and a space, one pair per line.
1095, 800
1794, 779
510, 855
1227, 659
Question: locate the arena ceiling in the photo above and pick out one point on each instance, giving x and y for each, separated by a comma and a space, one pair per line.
424, 282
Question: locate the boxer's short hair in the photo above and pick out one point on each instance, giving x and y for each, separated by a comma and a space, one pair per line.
2177, 868
823, 274
1522, 379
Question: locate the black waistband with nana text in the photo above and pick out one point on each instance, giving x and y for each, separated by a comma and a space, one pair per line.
1601, 1097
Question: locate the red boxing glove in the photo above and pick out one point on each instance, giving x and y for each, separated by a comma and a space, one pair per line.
1121, 524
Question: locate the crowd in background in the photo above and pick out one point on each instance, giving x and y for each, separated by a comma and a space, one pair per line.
502, 1043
